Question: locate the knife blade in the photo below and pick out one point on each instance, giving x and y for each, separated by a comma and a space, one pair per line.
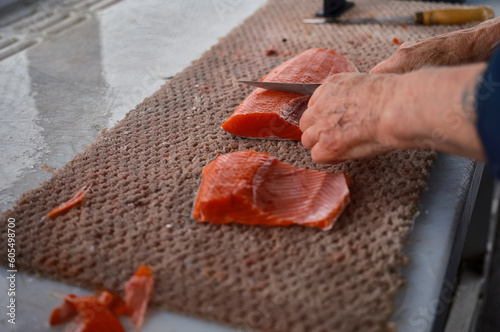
306, 89
408, 19
439, 16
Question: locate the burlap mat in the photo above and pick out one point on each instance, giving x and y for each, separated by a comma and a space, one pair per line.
145, 172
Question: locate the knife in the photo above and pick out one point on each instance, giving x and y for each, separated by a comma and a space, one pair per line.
306, 89
440, 16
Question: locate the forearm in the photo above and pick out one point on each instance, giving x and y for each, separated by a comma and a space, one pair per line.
478, 43
434, 110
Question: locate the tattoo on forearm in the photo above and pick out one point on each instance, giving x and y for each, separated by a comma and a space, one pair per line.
469, 99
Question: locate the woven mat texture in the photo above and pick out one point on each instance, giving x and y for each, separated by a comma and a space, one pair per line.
145, 172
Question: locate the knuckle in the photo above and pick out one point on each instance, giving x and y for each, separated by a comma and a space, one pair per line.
330, 139
317, 156
322, 156
406, 45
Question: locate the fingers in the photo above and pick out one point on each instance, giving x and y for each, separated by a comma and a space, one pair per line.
316, 95
326, 144
380, 68
310, 137
322, 154
398, 63
393, 65
330, 82
307, 120
328, 151
329, 144
337, 118
343, 118
309, 116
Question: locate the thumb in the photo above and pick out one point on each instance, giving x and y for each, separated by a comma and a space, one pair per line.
380, 68
394, 65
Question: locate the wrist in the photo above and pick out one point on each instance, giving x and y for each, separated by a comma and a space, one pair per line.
402, 124
430, 110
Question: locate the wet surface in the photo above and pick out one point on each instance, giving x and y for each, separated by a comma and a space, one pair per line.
86, 67
54, 107
70, 68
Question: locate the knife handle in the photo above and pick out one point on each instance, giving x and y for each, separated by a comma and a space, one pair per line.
455, 16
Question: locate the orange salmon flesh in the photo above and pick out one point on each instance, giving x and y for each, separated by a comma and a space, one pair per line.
272, 114
253, 188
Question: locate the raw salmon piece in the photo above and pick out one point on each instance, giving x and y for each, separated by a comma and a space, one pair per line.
65, 312
273, 114
114, 302
99, 313
93, 316
252, 188
72, 202
138, 291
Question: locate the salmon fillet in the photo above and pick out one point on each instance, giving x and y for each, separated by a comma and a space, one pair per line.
273, 114
253, 188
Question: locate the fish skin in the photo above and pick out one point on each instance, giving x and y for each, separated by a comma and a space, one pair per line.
254, 188
273, 114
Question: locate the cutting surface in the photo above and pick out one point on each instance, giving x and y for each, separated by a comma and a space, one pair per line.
122, 99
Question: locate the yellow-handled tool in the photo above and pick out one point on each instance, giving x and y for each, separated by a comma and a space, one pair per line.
455, 16
439, 16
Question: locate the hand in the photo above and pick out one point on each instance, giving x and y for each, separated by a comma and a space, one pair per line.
344, 117
450, 49
353, 115
435, 51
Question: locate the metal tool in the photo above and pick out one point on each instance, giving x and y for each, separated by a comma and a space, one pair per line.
306, 89
334, 8
440, 16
